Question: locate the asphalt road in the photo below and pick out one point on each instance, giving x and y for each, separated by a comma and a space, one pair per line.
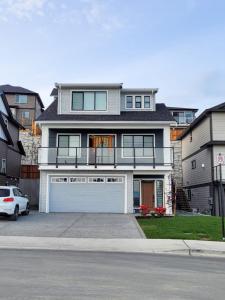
31, 274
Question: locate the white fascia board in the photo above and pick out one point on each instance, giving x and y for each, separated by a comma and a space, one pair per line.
102, 123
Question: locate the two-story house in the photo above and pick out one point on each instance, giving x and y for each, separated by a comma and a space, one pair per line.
11, 148
26, 105
104, 149
203, 149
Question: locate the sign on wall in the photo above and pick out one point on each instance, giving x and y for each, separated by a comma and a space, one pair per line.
220, 159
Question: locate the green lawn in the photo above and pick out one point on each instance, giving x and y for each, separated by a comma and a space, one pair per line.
180, 227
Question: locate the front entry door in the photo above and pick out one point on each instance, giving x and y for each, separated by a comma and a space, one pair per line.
147, 191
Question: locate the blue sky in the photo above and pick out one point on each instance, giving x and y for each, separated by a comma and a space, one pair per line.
177, 46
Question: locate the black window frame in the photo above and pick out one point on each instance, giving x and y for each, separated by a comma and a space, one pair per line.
146, 96
83, 92
129, 96
141, 147
193, 164
140, 101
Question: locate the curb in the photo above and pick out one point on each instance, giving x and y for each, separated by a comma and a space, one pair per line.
141, 246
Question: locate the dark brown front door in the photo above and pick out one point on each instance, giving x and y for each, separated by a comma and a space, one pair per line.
147, 192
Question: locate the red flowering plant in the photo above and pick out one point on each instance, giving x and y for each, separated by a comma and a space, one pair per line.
144, 210
160, 211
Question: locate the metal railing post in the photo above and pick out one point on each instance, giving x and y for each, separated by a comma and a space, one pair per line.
114, 156
76, 158
153, 157
134, 157
95, 157
57, 154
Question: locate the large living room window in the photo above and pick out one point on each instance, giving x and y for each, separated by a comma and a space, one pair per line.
67, 145
141, 144
89, 101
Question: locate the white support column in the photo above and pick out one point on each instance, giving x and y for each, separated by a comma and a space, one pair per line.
43, 152
168, 194
166, 143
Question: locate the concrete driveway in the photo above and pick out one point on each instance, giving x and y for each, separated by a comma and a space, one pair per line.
72, 225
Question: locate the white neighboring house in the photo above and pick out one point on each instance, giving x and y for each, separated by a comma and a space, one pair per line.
104, 149
203, 150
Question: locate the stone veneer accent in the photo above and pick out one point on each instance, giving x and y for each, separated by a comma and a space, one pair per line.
30, 144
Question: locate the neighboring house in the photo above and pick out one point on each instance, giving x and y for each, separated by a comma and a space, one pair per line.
203, 148
183, 117
11, 148
104, 149
26, 105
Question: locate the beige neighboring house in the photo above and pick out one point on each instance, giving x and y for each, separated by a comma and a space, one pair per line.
26, 105
203, 149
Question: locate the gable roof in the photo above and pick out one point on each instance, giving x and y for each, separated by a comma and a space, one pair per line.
10, 115
10, 89
217, 108
161, 114
5, 130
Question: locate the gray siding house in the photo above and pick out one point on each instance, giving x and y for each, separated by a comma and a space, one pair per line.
104, 149
25, 104
203, 150
11, 148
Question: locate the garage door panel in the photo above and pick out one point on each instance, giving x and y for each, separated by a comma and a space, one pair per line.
87, 197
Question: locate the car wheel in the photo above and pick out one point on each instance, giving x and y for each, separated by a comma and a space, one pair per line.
14, 217
27, 211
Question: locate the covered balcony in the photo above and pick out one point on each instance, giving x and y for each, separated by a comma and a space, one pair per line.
152, 157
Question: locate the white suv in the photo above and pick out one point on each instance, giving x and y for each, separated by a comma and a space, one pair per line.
13, 202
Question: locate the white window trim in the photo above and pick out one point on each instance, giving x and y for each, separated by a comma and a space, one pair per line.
88, 111
74, 182
142, 102
143, 134
78, 149
89, 179
52, 179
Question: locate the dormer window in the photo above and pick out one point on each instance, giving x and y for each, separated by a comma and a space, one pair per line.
89, 101
129, 102
138, 102
146, 101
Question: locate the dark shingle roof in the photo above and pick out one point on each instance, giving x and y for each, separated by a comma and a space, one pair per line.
10, 89
161, 114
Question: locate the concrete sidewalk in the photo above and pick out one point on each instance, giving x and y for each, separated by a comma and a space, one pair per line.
177, 247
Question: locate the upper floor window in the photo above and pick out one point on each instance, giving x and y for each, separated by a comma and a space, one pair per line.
89, 101
183, 117
67, 145
21, 99
143, 145
25, 114
138, 102
129, 102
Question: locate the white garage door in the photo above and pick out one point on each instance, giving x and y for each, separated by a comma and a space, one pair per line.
87, 194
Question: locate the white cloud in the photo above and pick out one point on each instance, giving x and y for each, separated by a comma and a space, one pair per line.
22, 9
